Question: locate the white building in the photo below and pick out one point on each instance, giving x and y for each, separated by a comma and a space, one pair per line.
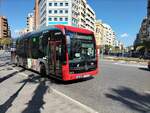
66, 12
90, 18
119, 44
30, 22
58, 12
108, 35
86, 16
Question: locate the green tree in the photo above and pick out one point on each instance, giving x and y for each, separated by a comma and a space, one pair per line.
115, 49
107, 48
146, 44
5, 42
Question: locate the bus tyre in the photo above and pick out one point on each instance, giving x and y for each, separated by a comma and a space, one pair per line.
42, 70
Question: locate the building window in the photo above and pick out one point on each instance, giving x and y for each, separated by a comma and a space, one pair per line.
66, 11
61, 19
66, 19
74, 21
66, 4
55, 11
55, 4
61, 4
50, 4
50, 19
61, 11
55, 19
50, 11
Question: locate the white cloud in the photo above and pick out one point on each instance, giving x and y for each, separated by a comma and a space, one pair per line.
124, 35
16, 31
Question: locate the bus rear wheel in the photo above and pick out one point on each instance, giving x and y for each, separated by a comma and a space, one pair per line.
42, 70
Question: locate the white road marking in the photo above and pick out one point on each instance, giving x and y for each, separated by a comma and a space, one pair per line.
75, 101
130, 65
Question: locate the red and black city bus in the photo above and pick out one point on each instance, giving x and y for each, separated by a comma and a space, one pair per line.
63, 52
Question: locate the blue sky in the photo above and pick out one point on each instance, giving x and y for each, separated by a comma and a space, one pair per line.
124, 16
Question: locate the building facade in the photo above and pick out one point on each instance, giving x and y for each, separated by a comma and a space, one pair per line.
108, 35
54, 12
99, 34
30, 22
119, 45
87, 17
36, 14
90, 18
9, 32
105, 36
66, 12
3, 27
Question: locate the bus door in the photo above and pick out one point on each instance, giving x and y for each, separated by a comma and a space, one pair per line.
55, 58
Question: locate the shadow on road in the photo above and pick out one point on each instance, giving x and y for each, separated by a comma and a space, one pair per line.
4, 64
58, 81
131, 99
4, 107
5, 58
145, 69
10, 75
37, 102
44, 85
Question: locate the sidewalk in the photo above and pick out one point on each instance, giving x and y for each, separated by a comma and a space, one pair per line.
126, 60
24, 93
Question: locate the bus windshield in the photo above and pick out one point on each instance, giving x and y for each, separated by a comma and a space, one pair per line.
80, 47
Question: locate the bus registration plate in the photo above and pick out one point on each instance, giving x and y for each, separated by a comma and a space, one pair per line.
85, 76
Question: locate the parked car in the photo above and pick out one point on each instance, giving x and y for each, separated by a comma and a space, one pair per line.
149, 64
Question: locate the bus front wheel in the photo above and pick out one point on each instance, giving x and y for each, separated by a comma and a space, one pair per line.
42, 70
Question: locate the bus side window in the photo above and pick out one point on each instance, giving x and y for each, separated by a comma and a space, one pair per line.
26, 47
61, 50
40, 44
29, 47
40, 51
44, 42
21, 48
35, 46
64, 48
